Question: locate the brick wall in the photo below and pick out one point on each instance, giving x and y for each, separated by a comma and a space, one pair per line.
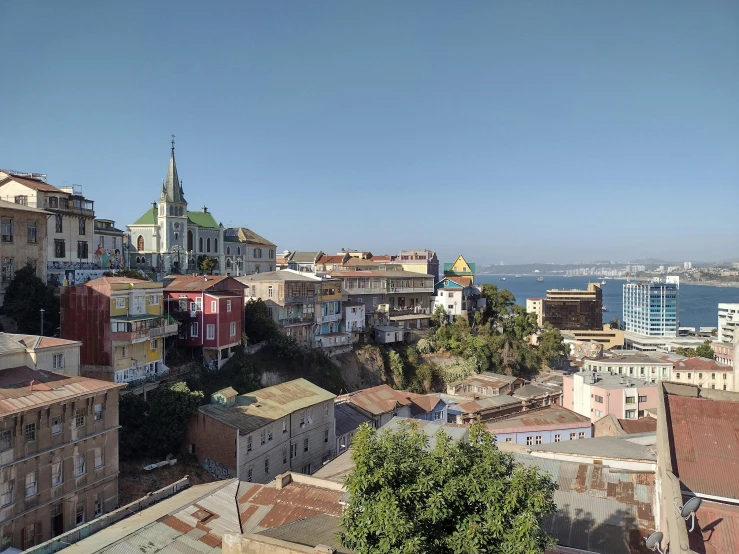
214, 445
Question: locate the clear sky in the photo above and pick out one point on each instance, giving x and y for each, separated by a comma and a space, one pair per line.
549, 131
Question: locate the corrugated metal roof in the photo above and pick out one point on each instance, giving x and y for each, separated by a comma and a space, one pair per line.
602, 447
321, 529
551, 417
530, 391
489, 402
716, 529
704, 436
600, 509
348, 418
641, 425
380, 399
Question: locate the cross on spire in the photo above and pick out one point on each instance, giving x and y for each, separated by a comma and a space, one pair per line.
172, 143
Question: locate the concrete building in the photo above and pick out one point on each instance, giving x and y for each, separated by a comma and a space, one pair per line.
648, 343
424, 262
457, 298
210, 312
728, 323
121, 325
595, 395
725, 353
247, 252
169, 237
536, 306
638, 366
109, 241
70, 229
348, 418
58, 453
606, 336
541, 426
575, 310
354, 316
651, 308
23, 241
37, 352
259, 435
696, 457
303, 261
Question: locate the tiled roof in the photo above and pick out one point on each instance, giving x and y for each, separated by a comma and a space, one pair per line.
606, 447
326, 259
34, 184
22, 388
382, 258
194, 283
202, 219
348, 418
704, 435
546, 419
253, 410
380, 399
636, 426
600, 509
701, 364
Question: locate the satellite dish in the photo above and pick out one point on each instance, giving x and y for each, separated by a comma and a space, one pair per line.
689, 508
654, 540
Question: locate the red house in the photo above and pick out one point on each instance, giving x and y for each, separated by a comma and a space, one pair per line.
211, 311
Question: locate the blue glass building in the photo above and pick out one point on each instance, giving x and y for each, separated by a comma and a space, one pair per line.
651, 308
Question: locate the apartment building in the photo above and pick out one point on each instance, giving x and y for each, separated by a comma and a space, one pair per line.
70, 228
247, 252
595, 395
651, 308
210, 311
262, 434
536, 306
37, 352
576, 310
424, 262
122, 327
23, 236
108, 241
58, 453
724, 347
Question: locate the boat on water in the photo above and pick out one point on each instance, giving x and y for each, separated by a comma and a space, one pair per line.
502, 278
540, 279
518, 276
603, 282
605, 308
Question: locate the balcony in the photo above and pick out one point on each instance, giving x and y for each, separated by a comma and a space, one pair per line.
415, 310
305, 320
328, 318
164, 331
406, 290
299, 299
136, 335
367, 290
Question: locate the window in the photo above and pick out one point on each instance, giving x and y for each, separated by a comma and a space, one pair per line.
557, 437
210, 331
8, 271
22, 200
194, 329
630, 414
56, 425
438, 416
724, 387
700, 376
599, 399
572, 436
58, 361
29, 431
248, 443
79, 418
153, 344
305, 444
153, 299
631, 400
6, 440
56, 474
642, 399
677, 376
82, 225
207, 244
690, 375
249, 473
538, 439
228, 305
213, 306
325, 408
293, 450
269, 291
31, 484
82, 250
232, 329
305, 469
79, 515
123, 352
99, 458
32, 535
215, 244
598, 413
269, 433
266, 466
32, 232
509, 439
98, 505
325, 435
262, 437
302, 419
6, 493
529, 441
724, 378
713, 375
7, 229
80, 467
59, 226
120, 303
284, 426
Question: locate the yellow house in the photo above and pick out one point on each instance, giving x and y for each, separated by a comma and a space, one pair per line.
461, 270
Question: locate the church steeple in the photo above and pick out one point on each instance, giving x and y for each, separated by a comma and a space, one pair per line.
172, 186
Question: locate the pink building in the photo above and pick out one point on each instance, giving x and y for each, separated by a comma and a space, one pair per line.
595, 395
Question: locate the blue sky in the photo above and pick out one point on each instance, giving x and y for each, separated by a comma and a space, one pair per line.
515, 131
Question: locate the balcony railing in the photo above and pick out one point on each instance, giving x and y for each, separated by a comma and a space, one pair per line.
164, 331
366, 290
395, 312
299, 299
296, 320
428, 289
327, 318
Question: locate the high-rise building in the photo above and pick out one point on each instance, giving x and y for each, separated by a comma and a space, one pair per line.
687, 265
728, 322
575, 310
651, 308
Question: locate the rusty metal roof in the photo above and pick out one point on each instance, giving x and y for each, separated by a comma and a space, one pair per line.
716, 528
704, 437
380, 399
348, 418
22, 388
488, 403
546, 419
641, 425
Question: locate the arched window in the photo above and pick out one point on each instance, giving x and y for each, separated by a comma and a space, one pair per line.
216, 246
228, 263
189, 241
140, 244
228, 250
238, 251
201, 244
208, 245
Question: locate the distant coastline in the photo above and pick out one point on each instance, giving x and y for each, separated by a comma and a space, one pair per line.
728, 285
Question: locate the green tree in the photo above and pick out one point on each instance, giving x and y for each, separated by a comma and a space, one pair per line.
438, 318
130, 273
551, 346
689, 352
705, 350
615, 323
499, 302
25, 297
206, 263
258, 324
466, 498
396, 368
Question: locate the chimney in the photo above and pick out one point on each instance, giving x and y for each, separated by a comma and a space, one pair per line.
205, 210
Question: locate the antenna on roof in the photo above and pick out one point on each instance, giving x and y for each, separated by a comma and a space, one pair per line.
654, 540
689, 508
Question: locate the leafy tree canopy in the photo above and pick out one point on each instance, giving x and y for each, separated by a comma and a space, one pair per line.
466, 498
704, 351
25, 296
206, 263
130, 273
258, 324
551, 346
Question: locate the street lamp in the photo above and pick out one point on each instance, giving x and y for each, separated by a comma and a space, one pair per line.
42, 321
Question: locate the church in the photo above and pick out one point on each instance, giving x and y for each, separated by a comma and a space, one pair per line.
169, 238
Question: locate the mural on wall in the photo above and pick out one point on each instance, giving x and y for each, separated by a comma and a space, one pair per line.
68, 277
109, 259
216, 469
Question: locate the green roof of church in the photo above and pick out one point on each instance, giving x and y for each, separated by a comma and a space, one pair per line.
149, 217
202, 219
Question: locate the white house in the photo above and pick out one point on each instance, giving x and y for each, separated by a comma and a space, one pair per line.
353, 316
456, 297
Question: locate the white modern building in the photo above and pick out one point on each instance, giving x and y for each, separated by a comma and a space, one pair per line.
651, 308
728, 322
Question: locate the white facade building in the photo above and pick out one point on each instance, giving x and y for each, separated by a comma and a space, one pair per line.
728, 322
353, 316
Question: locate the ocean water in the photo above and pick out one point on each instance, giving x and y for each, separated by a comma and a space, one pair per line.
698, 304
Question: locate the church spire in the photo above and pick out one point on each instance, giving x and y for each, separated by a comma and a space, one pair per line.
172, 185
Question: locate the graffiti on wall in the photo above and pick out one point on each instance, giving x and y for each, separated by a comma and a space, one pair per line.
217, 470
108, 259
68, 277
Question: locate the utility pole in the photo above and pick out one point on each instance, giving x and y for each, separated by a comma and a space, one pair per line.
42, 321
